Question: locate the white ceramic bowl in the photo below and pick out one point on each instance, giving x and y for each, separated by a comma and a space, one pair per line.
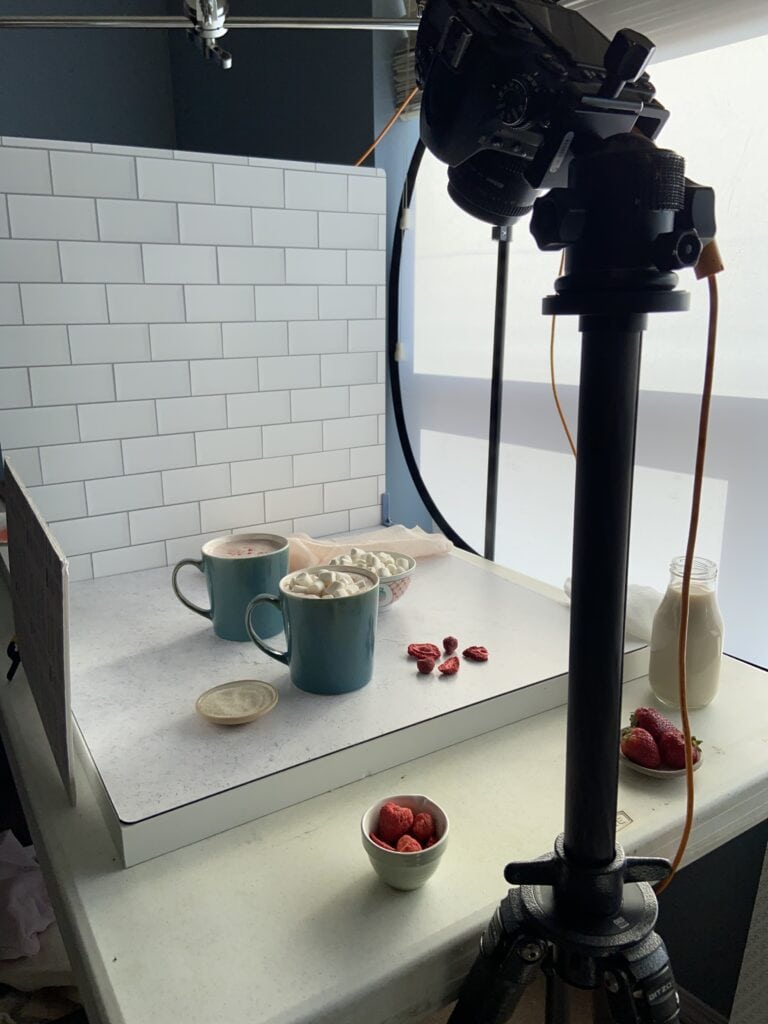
405, 870
392, 588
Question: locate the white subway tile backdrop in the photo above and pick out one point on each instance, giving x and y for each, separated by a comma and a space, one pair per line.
190, 344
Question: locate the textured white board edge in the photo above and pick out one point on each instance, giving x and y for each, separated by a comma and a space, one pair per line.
152, 837
39, 577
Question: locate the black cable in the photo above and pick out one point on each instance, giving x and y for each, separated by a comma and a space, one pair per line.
393, 331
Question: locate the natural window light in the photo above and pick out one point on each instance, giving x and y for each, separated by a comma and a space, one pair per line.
447, 368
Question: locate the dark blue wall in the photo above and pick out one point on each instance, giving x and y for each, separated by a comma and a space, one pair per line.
296, 95
86, 85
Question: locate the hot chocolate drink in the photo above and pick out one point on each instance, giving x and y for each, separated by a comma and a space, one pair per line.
243, 548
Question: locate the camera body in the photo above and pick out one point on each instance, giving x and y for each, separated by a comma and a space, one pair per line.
512, 89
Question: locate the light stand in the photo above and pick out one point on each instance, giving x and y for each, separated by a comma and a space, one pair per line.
627, 220
503, 237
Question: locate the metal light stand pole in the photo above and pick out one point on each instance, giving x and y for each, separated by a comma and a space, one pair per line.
503, 236
585, 914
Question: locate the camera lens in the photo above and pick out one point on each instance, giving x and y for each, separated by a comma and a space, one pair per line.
491, 186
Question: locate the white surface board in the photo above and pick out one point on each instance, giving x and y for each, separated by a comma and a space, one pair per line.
140, 660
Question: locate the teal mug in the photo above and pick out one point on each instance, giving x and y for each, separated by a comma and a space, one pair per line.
329, 641
236, 568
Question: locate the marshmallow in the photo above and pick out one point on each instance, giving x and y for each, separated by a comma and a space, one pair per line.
326, 584
381, 562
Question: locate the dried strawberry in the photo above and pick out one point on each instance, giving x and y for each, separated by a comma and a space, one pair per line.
424, 651
449, 667
423, 826
407, 844
672, 749
394, 821
430, 842
476, 653
380, 842
425, 665
652, 721
639, 746
450, 644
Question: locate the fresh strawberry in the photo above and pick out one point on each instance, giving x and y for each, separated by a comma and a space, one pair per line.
381, 843
394, 821
672, 749
639, 746
652, 721
423, 826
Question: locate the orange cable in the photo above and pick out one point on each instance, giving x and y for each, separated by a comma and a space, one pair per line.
555, 395
698, 479
387, 126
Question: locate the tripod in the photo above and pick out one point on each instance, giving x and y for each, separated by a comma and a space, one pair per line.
585, 913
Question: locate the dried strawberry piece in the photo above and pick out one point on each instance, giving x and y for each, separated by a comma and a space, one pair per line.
394, 821
450, 644
425, 665
430, 842
407, 844
476, 653
423, 826
449, 667
424, 651
380, 842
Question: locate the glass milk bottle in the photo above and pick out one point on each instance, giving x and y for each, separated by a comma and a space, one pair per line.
705, 637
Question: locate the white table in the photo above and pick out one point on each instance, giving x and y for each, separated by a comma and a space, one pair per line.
282, 921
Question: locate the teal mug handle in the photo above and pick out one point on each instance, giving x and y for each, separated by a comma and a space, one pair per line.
205, 612
271, 651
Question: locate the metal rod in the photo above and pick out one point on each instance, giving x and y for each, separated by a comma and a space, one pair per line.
163, 22
504, 236
610, 373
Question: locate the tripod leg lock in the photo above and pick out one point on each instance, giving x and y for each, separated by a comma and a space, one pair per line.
640, 986
510, 955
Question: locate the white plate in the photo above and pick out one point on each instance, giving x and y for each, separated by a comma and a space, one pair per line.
658, 773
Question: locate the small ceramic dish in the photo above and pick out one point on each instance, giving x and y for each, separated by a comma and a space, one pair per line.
391, 588
405, 870
658, 773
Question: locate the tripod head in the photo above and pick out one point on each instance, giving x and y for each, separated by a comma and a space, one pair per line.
513, 90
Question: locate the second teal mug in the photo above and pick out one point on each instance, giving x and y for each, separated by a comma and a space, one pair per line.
329, 642
237, 568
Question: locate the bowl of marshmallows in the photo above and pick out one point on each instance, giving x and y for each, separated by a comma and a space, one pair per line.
393, 569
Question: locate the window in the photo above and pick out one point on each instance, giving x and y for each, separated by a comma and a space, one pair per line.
715, 98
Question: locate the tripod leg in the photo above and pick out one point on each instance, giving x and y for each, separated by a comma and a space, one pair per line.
557, 1006
510, 955
640, 986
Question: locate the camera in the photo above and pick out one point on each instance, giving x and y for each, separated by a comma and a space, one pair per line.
513, 90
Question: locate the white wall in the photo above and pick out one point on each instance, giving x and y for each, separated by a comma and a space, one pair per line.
189, 345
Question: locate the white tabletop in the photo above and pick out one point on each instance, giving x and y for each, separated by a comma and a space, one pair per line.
282, 920
139, 660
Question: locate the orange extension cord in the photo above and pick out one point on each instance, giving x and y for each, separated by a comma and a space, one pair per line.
709, 265
387, 126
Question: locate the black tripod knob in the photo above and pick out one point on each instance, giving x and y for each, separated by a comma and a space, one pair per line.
625, 60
